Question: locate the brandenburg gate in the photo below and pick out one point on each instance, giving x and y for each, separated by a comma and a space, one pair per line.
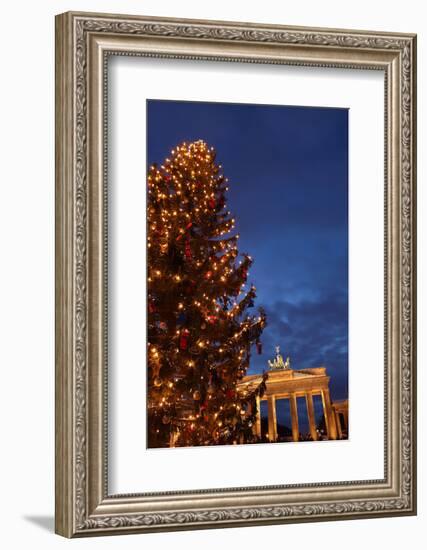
286, 383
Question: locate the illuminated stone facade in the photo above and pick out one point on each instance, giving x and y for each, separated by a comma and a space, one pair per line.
340, 409
287, 383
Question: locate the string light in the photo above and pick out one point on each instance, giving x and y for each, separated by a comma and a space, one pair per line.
190, 242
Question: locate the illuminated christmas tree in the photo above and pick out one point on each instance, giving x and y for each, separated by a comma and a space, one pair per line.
199, 332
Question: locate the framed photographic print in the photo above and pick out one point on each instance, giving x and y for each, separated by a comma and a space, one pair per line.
235, 274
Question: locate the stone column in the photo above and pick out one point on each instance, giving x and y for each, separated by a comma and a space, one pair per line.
311, 417
294, 416
272, 421
338, 422
346, 419
257, 425
331, 425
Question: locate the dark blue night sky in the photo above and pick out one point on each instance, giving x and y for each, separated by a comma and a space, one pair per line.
287, 169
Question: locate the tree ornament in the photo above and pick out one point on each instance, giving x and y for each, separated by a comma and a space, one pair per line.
183, 340
166, 419
157, 382
188, 254
197, 395
211, 203
212, 319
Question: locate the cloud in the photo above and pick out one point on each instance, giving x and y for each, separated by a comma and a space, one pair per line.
313, 333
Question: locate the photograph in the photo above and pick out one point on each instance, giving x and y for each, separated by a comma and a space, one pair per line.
247, 274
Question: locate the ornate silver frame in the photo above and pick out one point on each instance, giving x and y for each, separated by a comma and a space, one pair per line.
83, 42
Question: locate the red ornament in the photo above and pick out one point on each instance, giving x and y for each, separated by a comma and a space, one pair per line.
230, 394
183, 339
187, 228
151, 307
188, 254
212, 319
212, 203
208, 274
